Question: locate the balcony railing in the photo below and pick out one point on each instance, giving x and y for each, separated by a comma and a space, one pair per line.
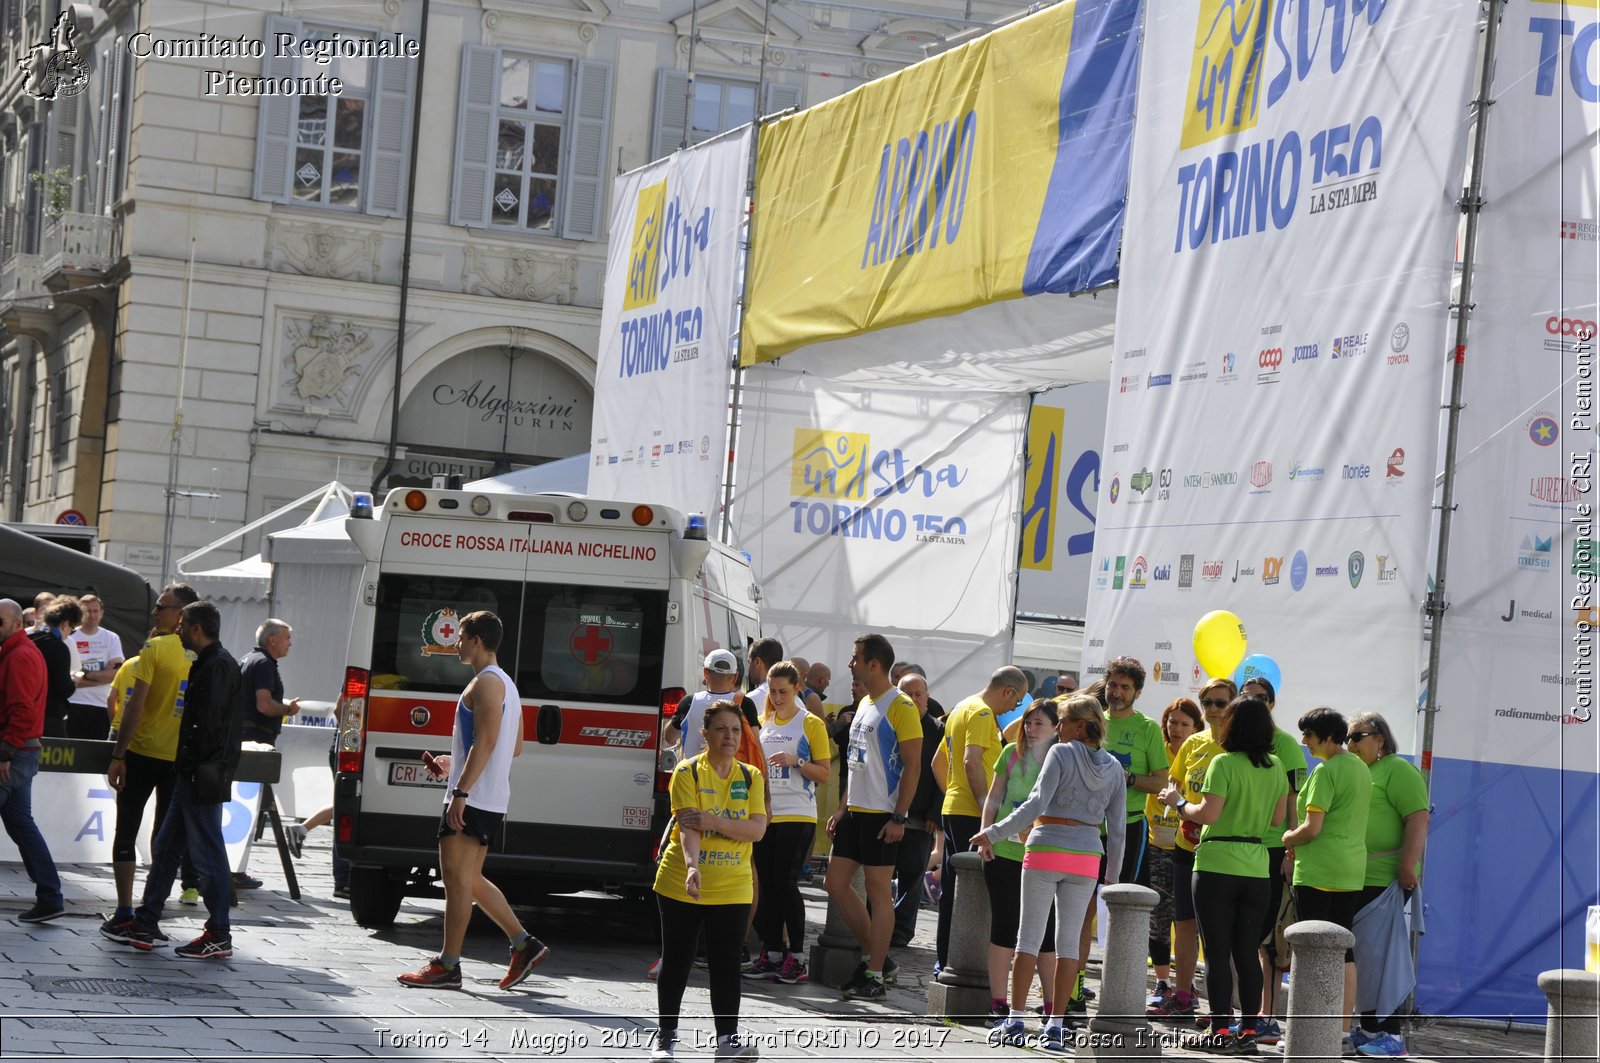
21, 277
81, 243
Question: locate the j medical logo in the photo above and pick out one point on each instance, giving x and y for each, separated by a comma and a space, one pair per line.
828, 464
644, 253
1230, 57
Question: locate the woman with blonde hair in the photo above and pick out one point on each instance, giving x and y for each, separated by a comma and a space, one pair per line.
1080, 785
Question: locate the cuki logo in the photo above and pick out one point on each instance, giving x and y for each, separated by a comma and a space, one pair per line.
1397, 458
1271, 570
1261, 473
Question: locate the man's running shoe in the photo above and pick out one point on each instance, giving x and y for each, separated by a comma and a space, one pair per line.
143, 936
1162, 992
114, 929
1244, 1044
863, 986
43, 912
1013, 1032
1055, 1039
242, 881
523, 960
666, 1049
1173, 1009
190, 896
295, 835
206, 947
433, 975
1268, 1032
998, 1014
793, 971
1358, 1037
1220, 1043
1385, 1044
732, 1048
655, 970
760, 968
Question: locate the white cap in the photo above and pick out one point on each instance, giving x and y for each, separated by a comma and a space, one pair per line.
722, 662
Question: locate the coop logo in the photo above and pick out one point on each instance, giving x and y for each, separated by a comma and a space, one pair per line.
828, 464
1356, 565
1553, 490
1299, 569
1573, 334
1271, 570
1261, 474
1211, 572
1305, 352
1543, 431
1269, 362
1534, 553
1138, 574
1186, 572
1350, 345
1394, 469
56, 69
1300, 472
1399, 340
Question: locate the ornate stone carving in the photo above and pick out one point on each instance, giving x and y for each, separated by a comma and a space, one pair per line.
324, 355
519, 273
586, 32
317, 250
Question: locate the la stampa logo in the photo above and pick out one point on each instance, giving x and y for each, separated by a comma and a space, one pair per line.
55, 68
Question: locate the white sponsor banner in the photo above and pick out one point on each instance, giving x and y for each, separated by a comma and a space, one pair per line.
666, 327
888, 511
1281, 335
1516, 682
1065, 428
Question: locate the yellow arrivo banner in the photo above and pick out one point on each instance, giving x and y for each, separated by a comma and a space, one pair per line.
917, 195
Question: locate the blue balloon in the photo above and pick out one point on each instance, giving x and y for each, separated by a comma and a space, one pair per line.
1260, 666
1017, 713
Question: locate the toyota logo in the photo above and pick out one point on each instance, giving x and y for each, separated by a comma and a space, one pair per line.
1271, 358
1569, 326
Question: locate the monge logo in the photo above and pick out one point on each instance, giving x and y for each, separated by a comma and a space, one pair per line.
829, 464
644, 253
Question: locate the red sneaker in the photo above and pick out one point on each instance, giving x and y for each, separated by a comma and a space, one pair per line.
523, 961
433, 975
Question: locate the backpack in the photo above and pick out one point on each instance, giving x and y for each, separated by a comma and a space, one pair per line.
672, 820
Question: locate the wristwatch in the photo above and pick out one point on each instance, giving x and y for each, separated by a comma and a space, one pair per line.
900, 818
459, 792
1183, 802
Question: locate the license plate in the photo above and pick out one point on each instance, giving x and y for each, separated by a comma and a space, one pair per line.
404, 773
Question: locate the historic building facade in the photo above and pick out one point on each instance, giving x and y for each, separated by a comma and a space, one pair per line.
252, 162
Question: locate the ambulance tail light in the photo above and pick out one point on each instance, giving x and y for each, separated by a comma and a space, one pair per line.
352, 717
670, 696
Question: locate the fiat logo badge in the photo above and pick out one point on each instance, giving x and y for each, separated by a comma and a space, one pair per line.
420, 716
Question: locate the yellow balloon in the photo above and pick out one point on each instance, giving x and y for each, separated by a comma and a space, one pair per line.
1220, 642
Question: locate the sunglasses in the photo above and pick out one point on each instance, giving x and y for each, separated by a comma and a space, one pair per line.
1358, 736
1214, 704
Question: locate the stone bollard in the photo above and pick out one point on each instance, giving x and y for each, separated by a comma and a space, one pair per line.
961, 991
1119, 1029
1316, 990
835, 955
1573, 1031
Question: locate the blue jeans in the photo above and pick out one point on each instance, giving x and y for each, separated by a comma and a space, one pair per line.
16, 812
195, 829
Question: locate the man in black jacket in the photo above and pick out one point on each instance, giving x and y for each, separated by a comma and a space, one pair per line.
916, 845
208, 756
59, 620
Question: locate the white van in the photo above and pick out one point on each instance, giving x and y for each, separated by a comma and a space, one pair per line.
609, 609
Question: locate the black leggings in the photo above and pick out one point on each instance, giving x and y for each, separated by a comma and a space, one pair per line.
1229, 908
1003, 876
779, 856
724, 926
145, 775
1158, 872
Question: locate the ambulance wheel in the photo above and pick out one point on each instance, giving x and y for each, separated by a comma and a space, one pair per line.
375, 897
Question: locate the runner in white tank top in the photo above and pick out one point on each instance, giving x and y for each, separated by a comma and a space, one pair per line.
492, 790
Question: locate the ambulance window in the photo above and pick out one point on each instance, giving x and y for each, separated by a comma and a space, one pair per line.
592, 644
417, 623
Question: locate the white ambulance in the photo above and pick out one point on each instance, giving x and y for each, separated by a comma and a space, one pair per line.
609, 610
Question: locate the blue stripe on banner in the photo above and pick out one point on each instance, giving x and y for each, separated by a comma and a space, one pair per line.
1508, 880
1079, 235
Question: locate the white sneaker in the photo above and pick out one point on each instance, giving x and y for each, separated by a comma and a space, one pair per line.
666, 1049
733, 1048
296, 836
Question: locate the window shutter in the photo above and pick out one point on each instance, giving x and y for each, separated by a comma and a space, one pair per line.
480, 68
102, 121
113, 125
275, 122
672, 113
389, 136
64, 114
584, 210
781, 97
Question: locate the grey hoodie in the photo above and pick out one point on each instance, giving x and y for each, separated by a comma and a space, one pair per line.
1076, 782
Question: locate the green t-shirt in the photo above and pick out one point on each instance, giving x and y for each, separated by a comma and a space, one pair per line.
1398, 790
1136, 741
1292, 754
1020, 778
1336, 859
1249, 796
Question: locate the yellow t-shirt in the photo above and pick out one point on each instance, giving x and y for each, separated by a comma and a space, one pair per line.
1189, 771
725, 864
970, 723
163, 664
121, 690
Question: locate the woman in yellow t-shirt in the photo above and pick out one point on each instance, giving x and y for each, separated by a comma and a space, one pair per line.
704, 881
1180, 720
